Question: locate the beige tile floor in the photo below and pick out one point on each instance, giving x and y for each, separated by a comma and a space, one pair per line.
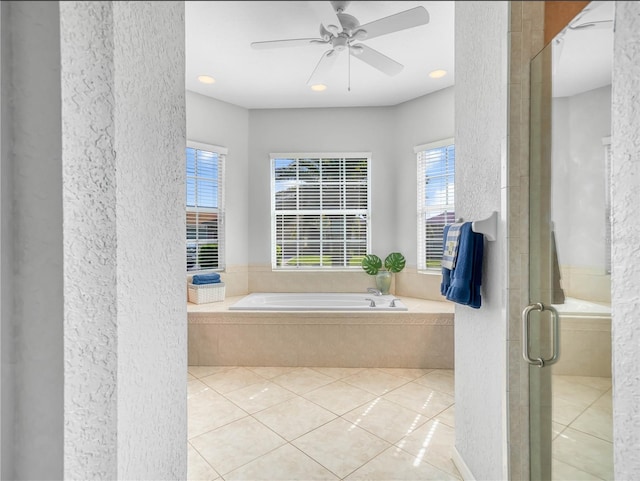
271, 423
583, 434
274, 423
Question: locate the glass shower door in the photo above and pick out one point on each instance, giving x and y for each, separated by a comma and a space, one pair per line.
566, 327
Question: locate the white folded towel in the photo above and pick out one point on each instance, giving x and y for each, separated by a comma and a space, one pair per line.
450, 252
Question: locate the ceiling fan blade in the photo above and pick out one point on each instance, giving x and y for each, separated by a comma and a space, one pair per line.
596, 24
376, 59
322, 69
413, 17
294, 42
327, 16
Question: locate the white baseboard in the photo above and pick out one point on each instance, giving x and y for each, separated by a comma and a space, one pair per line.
462, 467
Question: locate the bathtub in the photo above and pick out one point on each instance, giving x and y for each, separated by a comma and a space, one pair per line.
581, 307
244, 331
281, 301
585, 338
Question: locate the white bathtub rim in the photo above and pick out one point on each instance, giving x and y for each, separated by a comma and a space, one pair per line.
317, 302
574, 307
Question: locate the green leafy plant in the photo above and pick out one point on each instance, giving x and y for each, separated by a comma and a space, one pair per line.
395, 262
372, 264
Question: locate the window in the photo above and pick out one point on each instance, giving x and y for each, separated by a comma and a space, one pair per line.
436, 207
319, 210
205, 207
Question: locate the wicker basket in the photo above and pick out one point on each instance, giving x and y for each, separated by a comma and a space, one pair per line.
203, 293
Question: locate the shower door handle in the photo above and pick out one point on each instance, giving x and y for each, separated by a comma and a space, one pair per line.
540, 362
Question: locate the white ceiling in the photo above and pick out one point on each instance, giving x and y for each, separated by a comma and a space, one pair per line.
583, 51
219, 34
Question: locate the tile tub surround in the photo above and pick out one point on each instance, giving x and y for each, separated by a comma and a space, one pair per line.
585, 346
408, 283
242, 279
585, 338
421, 337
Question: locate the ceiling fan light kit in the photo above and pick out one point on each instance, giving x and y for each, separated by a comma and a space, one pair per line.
340, 30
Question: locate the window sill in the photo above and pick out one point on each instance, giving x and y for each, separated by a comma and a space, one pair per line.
431, 272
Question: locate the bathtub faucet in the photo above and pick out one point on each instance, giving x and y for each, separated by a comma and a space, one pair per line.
372, 302
375, 292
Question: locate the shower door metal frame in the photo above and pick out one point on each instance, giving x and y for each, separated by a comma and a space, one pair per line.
541, 329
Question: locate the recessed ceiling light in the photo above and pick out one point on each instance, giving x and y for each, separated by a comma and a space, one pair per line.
206, 79
437, 73
318, 87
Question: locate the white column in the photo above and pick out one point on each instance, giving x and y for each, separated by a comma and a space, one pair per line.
90, 254
625, 255
480, 136
150, 211
93, 124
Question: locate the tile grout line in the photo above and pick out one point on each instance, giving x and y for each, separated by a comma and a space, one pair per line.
205, 460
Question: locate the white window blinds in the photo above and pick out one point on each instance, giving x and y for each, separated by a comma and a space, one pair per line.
436, 199
320, 210
205, 207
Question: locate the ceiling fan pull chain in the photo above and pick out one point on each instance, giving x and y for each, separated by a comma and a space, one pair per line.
349, 69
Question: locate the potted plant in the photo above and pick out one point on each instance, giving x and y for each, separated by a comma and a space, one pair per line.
373, 266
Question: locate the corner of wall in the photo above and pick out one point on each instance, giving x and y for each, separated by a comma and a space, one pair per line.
483, 160
625, 278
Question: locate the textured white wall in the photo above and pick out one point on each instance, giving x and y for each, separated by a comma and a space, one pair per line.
321, 130
579, 124
89, 202
626, 241
220, 123
480, 133
397, 129
149, 140
390, 133
95, 232
425, 119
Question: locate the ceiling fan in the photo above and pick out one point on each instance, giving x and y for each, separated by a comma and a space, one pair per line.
342, 31
598, 15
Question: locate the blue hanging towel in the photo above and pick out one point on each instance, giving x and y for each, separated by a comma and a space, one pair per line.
466, 277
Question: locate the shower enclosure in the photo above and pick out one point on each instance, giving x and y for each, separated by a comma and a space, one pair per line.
567, 326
